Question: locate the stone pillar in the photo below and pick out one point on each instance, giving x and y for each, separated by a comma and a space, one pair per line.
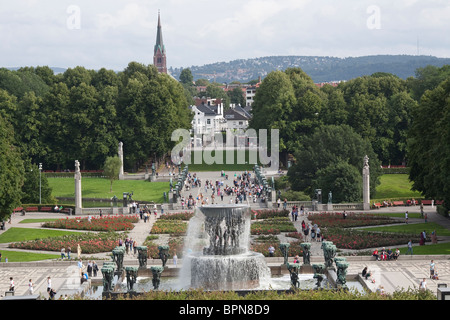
120, 153
78, 204
366, 184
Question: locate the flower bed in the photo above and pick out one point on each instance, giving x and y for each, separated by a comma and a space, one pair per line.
336, 219
269, 213
355, 239
105, 223
272, 226
186, 216
173, 227
89, 243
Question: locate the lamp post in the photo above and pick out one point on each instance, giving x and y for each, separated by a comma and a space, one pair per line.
40, 185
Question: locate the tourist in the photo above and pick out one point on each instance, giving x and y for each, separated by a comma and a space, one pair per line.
433, 237
390, 254
175, 258
396, 254
69, 250
89, 268
432, 266
94, 268
63, 253
49, 284
52, 294
423, 284
383, 255
318, 237
410, 248
80, 267
375, 254
380, 290
11, 284
423, 238
406, 217
30, 287
366, 273
271, 251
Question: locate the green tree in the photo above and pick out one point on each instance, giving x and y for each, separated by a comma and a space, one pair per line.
328, 146
111, 169
11, 171
237, 96
342, 179
273, 105
429, 144
186, 77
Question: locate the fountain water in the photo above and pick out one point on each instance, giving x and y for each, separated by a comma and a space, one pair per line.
217, 255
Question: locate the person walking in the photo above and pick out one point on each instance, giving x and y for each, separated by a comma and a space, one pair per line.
30, 287
410, 249
432, 267
49, 284
11, 284
94, 268
406, 217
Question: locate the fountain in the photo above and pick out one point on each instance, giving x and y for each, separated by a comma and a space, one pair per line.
222, 261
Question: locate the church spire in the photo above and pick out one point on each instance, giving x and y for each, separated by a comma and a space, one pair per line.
159, 54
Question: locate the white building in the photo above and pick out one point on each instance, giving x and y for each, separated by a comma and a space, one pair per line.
207, 120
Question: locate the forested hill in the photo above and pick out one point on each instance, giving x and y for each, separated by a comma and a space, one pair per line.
320, 69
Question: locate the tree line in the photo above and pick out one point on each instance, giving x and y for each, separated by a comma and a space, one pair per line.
82, 114
327, 131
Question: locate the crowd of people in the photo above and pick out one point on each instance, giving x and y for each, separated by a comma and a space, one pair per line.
243, 188
385, 255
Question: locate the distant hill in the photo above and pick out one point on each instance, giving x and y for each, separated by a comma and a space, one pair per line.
320, 69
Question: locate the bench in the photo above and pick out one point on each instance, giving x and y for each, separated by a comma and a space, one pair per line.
45, 209
67, 210
398, 203
377, 205
439, 202
32, 209
18, 209
427, 202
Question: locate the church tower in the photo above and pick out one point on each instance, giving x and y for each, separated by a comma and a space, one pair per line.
159, 55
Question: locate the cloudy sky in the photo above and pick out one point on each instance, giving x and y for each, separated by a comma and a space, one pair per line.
111, 33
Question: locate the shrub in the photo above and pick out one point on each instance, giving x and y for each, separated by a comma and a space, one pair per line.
105, 223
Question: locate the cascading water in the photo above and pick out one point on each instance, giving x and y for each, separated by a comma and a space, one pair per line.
217, 255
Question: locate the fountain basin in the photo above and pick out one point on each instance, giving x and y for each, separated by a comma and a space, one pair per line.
228, 272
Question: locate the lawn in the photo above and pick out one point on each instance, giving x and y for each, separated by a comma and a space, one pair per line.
98, 188
413, 228
22, 256
24, 234
395, 186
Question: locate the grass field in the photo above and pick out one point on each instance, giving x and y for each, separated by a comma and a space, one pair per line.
99, 188
24, 234
413, 228
25, 256
395, 186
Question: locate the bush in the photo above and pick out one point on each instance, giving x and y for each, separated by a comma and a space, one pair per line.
443, 211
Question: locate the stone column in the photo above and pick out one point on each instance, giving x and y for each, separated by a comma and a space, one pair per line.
78, 204
120, 153
366, 184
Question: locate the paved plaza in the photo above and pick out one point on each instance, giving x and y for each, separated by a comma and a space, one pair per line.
407, 272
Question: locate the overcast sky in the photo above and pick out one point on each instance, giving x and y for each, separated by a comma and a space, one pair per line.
111, 33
